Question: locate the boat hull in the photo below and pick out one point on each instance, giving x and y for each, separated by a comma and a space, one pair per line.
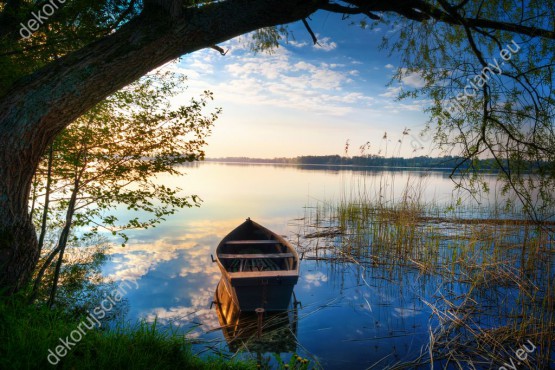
259, 268
276, 332
271, 293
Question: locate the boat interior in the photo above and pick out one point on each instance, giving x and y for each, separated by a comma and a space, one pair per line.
250, 249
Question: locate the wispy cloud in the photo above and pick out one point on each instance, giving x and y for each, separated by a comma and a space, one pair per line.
412, 79
391, 92
325, 44
300, 86
297, 44
281, 80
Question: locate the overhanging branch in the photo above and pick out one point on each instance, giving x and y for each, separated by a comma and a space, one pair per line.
172, 7
312, 35
337, 8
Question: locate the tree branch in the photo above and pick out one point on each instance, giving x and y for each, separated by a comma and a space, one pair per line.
483, 23
219, 50
336, 8
40, 105
174, 8
312, 35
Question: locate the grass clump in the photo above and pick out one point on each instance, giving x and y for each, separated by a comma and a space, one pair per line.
28, 332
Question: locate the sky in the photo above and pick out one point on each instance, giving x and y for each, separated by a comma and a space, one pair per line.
307, 99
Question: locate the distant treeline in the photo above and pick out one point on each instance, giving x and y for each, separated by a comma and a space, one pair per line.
446, 162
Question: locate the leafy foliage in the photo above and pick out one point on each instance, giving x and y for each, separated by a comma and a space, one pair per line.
72, 25
267, 39
491, 94
113, 154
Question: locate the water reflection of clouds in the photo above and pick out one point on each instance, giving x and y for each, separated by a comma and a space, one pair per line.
172, 315
197, 314
346, 321
314, 279
192, 249
405, 312
177, 276
198, 265
139, 259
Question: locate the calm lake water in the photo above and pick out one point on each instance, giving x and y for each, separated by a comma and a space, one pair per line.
349, 317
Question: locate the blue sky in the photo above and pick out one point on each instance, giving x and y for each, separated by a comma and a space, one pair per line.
307, 99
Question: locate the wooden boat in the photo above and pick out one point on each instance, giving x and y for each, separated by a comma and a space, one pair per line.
278, 330
259, 267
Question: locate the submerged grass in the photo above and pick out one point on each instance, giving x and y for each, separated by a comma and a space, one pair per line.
492, 269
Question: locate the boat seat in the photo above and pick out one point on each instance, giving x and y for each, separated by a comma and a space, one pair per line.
254, 255
251, 242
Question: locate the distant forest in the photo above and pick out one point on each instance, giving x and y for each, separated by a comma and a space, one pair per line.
446, 162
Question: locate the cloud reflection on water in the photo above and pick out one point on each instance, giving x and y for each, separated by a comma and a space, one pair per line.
190, 252
314, 279
177, 281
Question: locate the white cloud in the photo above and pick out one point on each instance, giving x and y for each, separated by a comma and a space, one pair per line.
391, 92
415, 106
297, 44
281, 81
412, 79
350, 98
236, 45
325, 44
411, 106
304, 66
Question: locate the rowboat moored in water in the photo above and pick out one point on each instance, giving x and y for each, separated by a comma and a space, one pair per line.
259, 267
244, 330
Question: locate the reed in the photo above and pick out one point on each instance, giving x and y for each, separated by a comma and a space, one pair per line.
491, 264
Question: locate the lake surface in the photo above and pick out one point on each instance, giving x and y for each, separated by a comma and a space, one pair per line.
349, 316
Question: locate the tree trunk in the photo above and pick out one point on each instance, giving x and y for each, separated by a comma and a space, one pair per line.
45, 210
40, 274
62, 243
18, 240
39, 106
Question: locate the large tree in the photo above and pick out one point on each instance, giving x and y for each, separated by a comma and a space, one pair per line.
75, 53
108, 158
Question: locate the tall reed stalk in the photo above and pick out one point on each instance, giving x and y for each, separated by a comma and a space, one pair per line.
477, 257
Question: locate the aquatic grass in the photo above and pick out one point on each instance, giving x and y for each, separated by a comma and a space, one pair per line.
493, 268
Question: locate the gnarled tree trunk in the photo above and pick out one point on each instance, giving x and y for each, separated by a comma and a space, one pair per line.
39, 107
